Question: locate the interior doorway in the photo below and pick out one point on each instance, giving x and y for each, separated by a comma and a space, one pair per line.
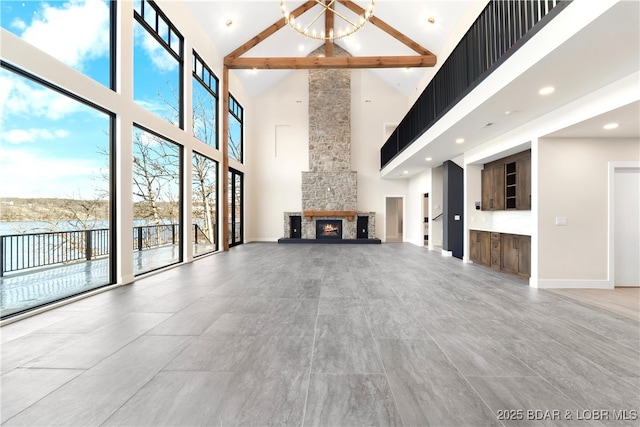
394, 210
425, 220
626, 227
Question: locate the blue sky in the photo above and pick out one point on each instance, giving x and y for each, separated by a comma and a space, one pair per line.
50, 144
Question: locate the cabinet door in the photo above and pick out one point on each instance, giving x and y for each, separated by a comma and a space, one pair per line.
479, 247
487, 178
509, 256
473, 246
523, 184
524, 256
485, 248
493, 188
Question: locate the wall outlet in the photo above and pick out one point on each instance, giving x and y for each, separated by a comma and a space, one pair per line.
456, 217
561, 220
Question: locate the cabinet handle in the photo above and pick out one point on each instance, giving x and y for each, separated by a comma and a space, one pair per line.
515, 243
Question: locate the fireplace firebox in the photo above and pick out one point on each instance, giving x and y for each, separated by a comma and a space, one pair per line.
329, 229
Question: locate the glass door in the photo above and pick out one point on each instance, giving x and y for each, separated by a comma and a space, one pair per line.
236, 195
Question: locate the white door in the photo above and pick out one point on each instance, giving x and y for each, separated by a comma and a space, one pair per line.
626, 226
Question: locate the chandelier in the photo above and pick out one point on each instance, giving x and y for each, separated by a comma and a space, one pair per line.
349, 26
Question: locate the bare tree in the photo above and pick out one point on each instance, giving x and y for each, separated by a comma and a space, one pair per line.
204, 193
155, 168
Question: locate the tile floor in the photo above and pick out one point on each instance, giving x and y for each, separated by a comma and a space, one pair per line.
333, 335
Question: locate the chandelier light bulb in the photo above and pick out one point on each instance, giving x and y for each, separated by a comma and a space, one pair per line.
353, 21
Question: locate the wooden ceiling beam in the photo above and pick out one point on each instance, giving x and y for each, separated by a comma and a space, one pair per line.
270, 30
328, 26
330, 62
388, 29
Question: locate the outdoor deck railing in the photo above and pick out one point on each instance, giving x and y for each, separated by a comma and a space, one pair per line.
24, 251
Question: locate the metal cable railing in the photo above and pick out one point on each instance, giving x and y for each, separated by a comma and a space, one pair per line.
25, 251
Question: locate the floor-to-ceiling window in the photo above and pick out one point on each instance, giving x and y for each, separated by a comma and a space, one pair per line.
66, 137
204, 206
236, 194
235, 142
56, 156
157, 63
204, 102
55, 192
157, 198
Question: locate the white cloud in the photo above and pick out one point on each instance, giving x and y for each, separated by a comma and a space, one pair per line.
158, 55
20, 136
73, 33
27, 174
18, 98
18, 24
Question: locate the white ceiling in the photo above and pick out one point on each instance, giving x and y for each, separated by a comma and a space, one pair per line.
251, 17
606, 50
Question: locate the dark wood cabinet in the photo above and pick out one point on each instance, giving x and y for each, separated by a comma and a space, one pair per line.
508, 253
506, 183
493, 187
516, 255
480, 247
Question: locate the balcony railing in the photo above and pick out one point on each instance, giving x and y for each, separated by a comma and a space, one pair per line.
26, 251
502, 28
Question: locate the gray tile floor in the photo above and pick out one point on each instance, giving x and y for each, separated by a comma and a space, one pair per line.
323, 335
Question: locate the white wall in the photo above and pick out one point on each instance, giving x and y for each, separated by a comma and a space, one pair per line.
278, 151
573, 183
276, 166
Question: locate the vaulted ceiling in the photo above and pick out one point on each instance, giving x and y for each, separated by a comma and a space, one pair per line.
605, 50
410, 18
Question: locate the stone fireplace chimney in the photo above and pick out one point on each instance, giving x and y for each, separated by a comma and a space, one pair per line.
330, 184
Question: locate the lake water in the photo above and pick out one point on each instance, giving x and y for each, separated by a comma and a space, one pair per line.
27, 227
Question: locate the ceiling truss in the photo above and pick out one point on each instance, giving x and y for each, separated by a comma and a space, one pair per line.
424, 57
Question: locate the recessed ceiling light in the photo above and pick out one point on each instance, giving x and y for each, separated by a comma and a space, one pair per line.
405, 172
610, 126
459, 140
428, 159
229, 23
431, 20
547, 90
301, 48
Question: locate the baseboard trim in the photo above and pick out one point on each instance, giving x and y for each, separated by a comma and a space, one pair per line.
572, 284
447, 253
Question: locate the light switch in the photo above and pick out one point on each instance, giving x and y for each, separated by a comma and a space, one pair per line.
456, 217
561, 220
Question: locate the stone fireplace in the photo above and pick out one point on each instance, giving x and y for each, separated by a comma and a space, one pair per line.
329, 187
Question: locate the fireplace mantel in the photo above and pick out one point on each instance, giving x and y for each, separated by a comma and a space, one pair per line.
350, 215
